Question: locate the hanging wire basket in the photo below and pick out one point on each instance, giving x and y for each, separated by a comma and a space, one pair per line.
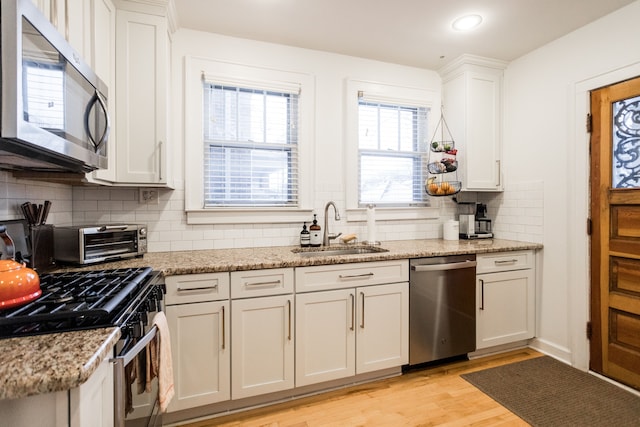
445, 165
442, 160
443, 188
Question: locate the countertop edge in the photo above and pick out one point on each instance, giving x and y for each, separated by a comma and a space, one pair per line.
70, 359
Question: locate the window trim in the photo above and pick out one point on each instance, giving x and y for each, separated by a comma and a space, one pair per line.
252, 76
384, 93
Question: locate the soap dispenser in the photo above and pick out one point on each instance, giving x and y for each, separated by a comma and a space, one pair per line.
305, 236
316, 235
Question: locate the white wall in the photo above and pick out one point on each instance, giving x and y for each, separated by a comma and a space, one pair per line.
167, 221
545, 140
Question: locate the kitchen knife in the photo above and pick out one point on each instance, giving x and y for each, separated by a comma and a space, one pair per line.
45, 214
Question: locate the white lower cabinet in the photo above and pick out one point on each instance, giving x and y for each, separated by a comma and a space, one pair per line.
262, 339
345, 332
382, 327
200, 344
90, 404
325, 336
505, 287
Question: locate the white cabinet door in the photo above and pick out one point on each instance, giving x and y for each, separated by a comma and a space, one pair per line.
92, 402
102, 34
262, 339
382, 327
200, 352
76, 26
141, 104
325, 336
472, 99
506, 307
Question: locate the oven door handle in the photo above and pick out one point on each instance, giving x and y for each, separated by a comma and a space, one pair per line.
119, 381
138, 347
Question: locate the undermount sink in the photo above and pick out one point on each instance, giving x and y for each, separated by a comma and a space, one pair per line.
337, 251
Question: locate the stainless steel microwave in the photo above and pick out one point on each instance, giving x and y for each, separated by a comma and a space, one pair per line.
98, 243
53, 112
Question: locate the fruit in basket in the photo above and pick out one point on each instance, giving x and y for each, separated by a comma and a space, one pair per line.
445, 186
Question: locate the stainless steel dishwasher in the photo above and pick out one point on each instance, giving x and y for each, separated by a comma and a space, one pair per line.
442, 301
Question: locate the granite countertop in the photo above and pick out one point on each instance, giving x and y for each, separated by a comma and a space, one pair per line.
53, 362
220, 260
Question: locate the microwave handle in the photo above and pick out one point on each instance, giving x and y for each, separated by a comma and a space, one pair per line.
103, 105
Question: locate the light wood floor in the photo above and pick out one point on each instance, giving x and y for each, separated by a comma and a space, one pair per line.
435, 396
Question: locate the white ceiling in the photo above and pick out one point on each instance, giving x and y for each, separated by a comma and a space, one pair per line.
410, 32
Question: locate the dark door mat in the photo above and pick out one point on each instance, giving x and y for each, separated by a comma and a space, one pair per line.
546, 392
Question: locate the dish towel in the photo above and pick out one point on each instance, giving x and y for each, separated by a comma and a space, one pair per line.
161, 364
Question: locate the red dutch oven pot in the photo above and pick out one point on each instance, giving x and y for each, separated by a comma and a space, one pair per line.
18, 284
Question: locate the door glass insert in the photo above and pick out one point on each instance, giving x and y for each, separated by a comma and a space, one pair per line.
626, 143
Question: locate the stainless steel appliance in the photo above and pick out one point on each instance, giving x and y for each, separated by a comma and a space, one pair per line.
125, 298
442, 301
53, 115
98, 243
473, 222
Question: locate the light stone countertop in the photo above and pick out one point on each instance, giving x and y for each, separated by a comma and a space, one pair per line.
54, 362
220, 260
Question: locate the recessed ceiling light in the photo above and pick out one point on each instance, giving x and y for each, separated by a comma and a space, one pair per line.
467, 22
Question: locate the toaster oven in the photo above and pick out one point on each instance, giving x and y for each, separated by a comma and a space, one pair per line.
92, 244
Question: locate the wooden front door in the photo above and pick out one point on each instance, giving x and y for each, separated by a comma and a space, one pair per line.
615, 238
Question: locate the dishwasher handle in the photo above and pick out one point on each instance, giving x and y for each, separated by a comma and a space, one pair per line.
441, 267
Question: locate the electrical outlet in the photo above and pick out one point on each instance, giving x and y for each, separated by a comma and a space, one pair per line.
148, 196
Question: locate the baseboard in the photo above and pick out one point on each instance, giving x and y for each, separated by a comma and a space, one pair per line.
563, 354
498, 349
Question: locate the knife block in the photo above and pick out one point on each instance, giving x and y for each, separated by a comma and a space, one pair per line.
41, 238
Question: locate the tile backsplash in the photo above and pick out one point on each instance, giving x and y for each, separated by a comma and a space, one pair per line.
169, 231
14, 192
517, 214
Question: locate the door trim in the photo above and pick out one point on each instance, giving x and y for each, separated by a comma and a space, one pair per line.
578, 209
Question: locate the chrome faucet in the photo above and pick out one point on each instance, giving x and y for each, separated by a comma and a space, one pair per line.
327, 237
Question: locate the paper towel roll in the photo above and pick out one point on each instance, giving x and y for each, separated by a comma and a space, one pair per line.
451, 230
371, 224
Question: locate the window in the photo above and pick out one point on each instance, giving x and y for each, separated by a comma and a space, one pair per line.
392, 153
250, 146
249, 138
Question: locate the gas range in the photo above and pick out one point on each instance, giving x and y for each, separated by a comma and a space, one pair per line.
86, 300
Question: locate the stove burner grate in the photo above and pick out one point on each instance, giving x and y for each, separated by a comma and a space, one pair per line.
76, 300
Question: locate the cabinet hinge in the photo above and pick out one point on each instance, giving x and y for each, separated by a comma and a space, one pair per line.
589, 226
589, 123
589, 330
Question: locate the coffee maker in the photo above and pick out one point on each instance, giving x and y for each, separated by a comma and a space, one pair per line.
483, 224
473, 221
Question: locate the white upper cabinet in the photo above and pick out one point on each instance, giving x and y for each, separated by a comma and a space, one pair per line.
102, 36
142, 65
472, 106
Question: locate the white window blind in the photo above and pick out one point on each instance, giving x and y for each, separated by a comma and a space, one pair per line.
250, 146
392, 153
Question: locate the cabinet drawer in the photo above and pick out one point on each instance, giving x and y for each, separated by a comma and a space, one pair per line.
257, 283
189, 288
323, 277
504, 261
